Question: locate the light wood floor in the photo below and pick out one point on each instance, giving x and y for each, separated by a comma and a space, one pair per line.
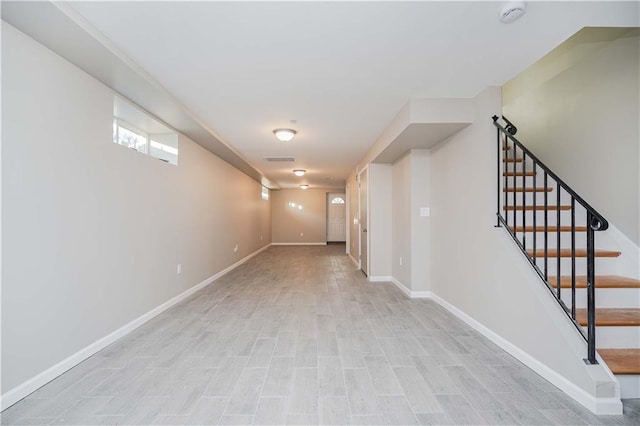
298, 336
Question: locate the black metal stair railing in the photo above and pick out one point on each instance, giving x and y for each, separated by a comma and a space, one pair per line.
515, 165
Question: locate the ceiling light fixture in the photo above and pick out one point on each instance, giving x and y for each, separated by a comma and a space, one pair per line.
285, 135
299, 172
304, 186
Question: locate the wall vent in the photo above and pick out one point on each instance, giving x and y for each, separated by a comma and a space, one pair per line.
280, 158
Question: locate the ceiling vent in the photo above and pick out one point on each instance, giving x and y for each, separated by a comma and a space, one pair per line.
280, 159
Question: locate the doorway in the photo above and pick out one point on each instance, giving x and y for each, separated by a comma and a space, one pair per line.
336, 217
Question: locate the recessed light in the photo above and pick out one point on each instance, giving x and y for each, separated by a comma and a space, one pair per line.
285, 135
304, 186
299, 172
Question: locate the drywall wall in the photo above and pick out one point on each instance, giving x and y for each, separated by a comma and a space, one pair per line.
420, 225
577, 110
379, 220
299, 211
411, 248
401, 221
93, 231
478, 270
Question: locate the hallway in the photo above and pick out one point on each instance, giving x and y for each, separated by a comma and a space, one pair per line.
297, 335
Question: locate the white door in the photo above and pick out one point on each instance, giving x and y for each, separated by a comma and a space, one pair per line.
336, 216
364, 223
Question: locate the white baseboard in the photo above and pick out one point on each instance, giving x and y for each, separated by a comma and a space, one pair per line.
410, 294
300, 244
17, 393
379, 279
355, 262
600, 406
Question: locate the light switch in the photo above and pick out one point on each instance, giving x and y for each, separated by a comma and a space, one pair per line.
425, 211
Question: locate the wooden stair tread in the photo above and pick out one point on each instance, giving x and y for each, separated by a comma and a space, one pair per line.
551, 229
518, 173
611, 317
519, 189
538, 208
579, 253
512, 160
622, 361
602, 281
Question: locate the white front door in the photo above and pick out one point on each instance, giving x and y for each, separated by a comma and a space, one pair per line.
336, 216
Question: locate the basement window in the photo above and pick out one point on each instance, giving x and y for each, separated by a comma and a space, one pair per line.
139, 131
126, 135
265, 193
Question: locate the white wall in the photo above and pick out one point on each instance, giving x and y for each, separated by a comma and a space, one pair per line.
287, 222
402, 221
420, 226
479, 271
577, 110
92, 231
411, 232
379, 220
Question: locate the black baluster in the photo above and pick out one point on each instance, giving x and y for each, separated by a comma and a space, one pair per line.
535, 230
524, 201
573, 257
591, 292
498, 195
558, 240
546, 230
513, 184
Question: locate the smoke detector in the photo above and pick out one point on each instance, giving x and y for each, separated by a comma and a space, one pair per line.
511, 11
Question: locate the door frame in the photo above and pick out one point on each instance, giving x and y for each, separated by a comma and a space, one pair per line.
328, 206
347, 225
366, 225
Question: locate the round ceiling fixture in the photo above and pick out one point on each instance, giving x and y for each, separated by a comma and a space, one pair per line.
285, 135
511, 11
299, 172
304, 186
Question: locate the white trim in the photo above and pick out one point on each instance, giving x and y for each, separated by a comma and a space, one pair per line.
402, 287
14, 395
600, 406
410, 294
379, 279
353, 259
299, 244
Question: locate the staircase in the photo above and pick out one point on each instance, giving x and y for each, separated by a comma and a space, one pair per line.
556, 229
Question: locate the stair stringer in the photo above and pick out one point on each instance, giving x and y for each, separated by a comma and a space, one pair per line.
604, 395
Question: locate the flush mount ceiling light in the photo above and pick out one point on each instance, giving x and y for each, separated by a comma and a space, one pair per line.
511, 11
304, 186
299, 172
285, 135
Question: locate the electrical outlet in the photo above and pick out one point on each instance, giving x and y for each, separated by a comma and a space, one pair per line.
179, 269
235, 249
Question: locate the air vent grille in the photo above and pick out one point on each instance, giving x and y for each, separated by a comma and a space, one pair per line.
280, 158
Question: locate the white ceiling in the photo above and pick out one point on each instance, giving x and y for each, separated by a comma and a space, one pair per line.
341, 70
